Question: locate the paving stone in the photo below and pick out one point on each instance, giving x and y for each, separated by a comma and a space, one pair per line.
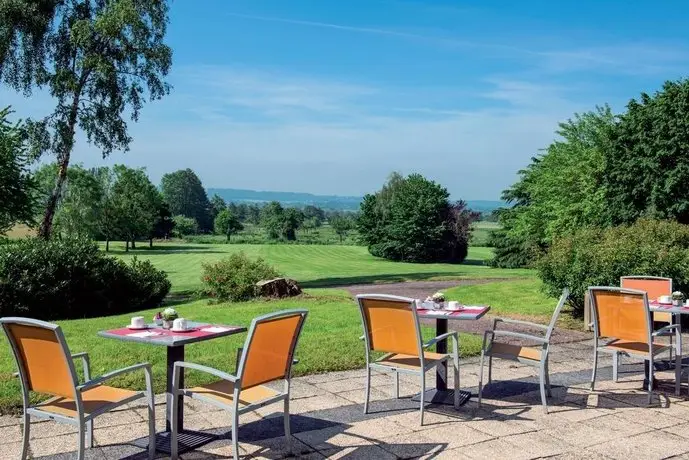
494, 449
650, 445
12, 433
412, 445
539, 444
365, 452
456, 435
333, 437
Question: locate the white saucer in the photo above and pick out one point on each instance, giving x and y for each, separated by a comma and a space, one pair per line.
190, 329
137, 328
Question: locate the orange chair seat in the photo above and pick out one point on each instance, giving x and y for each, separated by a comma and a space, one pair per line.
93, 399
401, 361
635, 348
516, 351
223, 392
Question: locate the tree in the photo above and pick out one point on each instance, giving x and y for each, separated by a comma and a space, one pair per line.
185, 194
561, 190
272, 218
164, 225
227, 224
411, 219
185, 226
316, 214
107, 217
79, 205
16, 183
342, 224
136, 202
218, 204
292, 219
97, 59
647, 167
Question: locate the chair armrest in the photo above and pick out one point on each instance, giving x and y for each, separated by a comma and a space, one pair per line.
85, 361
440, 338
676, 327
208, 370
519, 335
516, 321
98, 380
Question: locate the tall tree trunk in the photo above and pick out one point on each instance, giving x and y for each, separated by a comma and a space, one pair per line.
150, 242
63, 163
126, 246
133, 243
107, 245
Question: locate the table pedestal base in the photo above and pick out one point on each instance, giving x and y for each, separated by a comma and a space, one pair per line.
446, 397
188, 440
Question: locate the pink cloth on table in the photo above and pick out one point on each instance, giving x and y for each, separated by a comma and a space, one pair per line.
195, 332
466, 310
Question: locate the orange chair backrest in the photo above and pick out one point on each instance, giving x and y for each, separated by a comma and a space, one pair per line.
621, 314
654, 287
390, 325
43, 359
271, 349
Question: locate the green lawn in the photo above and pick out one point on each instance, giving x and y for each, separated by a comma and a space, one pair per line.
329, 342
330, 337
311, 265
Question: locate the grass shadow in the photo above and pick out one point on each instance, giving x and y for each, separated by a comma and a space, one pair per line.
375, 279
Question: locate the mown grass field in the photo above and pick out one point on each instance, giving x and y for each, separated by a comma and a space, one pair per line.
330, 338
311, 265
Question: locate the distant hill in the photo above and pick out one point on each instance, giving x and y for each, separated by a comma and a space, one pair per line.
334, 202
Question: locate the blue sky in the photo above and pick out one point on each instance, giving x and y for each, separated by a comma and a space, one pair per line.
328, 96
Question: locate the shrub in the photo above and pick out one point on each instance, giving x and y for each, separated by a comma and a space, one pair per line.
599, 257
66, 279
185, 226
234, 278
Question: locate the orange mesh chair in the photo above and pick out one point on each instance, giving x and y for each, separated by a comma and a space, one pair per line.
391, 325
267, 356
46, 366
622, 319
532, 356
655, 287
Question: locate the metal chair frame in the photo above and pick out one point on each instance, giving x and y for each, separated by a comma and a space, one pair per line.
236, 380
423, 367
676, 328
83, 421
544, 341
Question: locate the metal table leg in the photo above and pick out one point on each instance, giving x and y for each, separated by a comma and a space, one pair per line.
440, 394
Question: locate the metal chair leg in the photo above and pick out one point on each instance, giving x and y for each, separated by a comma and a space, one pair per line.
548, 389
423, 393
235, 435
80, 443
456, 379
89, 434
595, 368
174, 442
151, 426
368, 389
544, 401
615, 365
397, 385
650, 381
26, 435
490, 369
678, 372
288, 431
480, 378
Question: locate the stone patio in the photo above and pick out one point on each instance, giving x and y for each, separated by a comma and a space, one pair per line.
328, 419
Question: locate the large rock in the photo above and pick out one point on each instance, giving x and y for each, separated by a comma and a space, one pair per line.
278, 288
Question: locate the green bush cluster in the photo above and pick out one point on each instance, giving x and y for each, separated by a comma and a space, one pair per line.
72, 278
234, 278
599, 257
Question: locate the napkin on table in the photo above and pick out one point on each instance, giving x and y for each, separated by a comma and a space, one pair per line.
144, 334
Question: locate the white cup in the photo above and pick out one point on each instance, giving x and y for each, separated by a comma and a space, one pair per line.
665, 299
179, 324
138, 322
453, 305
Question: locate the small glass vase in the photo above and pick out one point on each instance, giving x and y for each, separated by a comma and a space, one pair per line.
676, 302
167, 324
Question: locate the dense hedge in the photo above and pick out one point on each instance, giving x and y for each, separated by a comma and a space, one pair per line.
234, 278
599, 257
70, 278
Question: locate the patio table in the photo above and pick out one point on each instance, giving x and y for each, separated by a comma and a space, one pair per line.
175, 342
441, 394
